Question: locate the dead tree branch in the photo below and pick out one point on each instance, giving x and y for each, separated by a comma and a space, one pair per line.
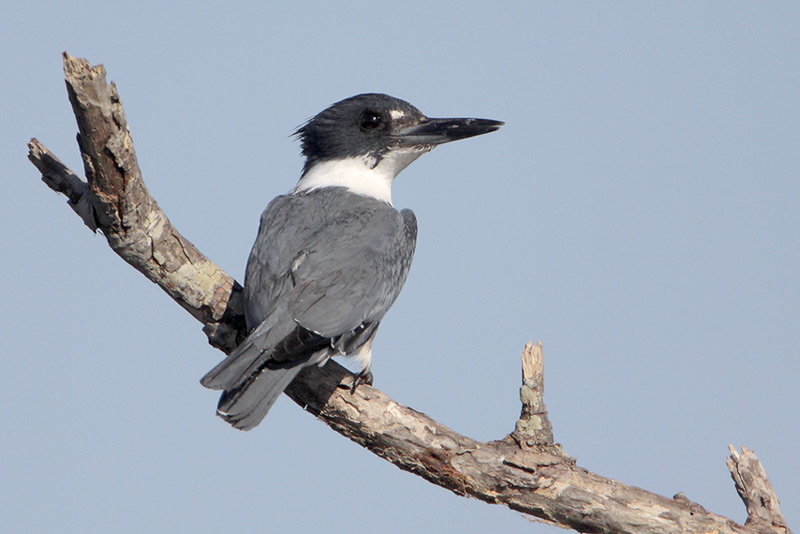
755, 489
526, 471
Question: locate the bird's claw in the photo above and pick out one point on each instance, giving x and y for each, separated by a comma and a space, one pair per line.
364, 377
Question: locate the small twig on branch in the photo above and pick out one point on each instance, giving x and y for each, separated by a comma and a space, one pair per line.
525, 471
533, 429
62, 180
755, 489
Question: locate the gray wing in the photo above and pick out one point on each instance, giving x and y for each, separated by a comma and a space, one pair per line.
354, 270
325, 269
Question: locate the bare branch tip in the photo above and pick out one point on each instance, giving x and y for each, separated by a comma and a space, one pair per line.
533, 428
34, 149
533, 362
78, 67
756, 491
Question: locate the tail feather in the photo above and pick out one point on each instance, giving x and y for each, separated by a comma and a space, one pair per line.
248, 356
235, 368
250, 386
246, 406
254, 375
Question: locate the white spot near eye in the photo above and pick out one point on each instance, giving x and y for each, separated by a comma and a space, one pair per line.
397, 114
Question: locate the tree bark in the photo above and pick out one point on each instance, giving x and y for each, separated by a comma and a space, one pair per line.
526, 470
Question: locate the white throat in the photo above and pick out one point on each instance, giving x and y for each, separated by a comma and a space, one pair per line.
359, 174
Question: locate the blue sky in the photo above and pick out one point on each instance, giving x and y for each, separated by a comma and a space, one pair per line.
638, 213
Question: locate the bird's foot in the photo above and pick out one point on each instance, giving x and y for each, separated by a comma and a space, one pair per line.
364, 377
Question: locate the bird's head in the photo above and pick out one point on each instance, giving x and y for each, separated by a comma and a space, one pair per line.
370, 138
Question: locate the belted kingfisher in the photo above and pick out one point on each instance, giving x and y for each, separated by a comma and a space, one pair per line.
332, 255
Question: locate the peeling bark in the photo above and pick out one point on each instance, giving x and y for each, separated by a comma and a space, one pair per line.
525, 471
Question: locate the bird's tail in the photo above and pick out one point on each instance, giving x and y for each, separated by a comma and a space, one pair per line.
253, 377
246, 405
251, 386
250, 389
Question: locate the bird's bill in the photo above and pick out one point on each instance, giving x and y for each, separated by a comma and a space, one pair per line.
438, 131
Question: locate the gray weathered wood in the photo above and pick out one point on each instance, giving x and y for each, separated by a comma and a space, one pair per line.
533, 428
755, 489
525, 471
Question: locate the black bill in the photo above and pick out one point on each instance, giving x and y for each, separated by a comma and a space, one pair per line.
438, 131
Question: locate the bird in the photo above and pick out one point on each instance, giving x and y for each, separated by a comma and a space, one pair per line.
332, 255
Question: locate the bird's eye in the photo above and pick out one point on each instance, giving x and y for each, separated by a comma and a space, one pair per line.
370, 120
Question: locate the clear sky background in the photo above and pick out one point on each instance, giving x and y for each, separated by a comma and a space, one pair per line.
639, 213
